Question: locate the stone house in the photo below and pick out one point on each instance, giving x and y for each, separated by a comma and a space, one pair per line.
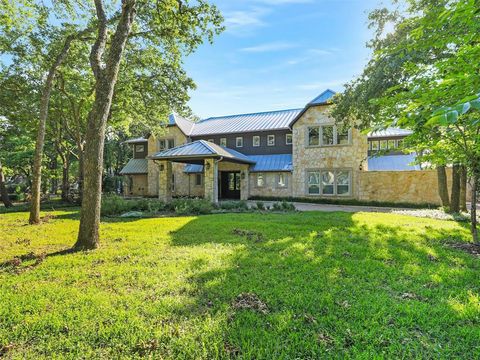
300, 153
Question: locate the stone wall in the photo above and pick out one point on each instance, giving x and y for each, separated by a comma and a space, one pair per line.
244, 179
270, 188
417, 187
171, 132
350, 157
139, 185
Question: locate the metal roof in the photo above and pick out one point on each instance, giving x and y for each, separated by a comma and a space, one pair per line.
263, 163
184, 125
264, 121
391, 131
323, 98
201, 149
392, 162
276, 162
135, 166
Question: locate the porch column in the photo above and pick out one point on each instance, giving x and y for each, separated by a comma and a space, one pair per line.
244, 184
165, 181
210, 168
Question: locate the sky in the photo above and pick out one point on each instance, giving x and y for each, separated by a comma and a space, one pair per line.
279, 54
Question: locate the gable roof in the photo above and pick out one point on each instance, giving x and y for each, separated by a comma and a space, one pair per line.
183, 124
201, 149
323, 99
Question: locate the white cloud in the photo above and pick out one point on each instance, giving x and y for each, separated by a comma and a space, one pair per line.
269, 47
283, 2
245, 21
322, 85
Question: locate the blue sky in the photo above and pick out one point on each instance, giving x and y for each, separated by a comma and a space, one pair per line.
279, 54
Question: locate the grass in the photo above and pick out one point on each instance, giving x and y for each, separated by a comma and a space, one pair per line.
248, 286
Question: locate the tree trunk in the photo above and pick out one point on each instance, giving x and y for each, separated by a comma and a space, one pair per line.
463, 189
106, 78
442, 186
473, 208
65, 182
40, 142
3, 190
455, 195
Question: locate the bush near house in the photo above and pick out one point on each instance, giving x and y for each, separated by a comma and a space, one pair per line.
245, 285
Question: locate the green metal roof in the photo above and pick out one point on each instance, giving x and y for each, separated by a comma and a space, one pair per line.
135, 167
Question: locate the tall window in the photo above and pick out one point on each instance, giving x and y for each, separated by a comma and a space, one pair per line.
165, 144
375, 145
198, 179
329, 182
260, 180
391, 144
313, 178
271, 140
239, 141
313, 136
328, 135
399, 143
383, 144
288, 139
282, 180
223, 142
256, 141
173, 182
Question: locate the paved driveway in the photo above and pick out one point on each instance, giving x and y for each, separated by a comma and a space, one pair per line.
328, 207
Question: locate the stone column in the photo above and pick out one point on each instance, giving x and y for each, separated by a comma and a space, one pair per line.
244, 184
210, 168
165, 181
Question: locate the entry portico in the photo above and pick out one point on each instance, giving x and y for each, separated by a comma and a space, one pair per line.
225, 171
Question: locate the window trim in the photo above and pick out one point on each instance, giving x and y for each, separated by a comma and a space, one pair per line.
223, 142
236, 141
259, 141
291, 139
320, 136
166, 142
264, 179
277, 181
198, 176
270, 136
335, 183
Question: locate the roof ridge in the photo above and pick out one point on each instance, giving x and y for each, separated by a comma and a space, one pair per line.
245, 114
206, 144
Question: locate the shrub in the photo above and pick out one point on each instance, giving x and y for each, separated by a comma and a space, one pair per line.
286, 206
115, 205
260, 205
277, 207
192, 206
234, 205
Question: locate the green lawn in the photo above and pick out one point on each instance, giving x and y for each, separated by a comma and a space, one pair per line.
341, 285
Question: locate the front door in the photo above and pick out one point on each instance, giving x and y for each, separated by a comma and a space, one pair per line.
229, 185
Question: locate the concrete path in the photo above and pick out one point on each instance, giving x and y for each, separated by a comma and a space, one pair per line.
328, 207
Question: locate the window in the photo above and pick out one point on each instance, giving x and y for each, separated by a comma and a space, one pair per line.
313, 138
256, 141
234, 181
260, 180
139, 148
173, 182
327, 135
329, 182
313, 182
375, 145
288, 139
391, 144
369, 145
343, 136
211, 140
165, 144
282, 180
223, 142
343, 182
239, 141
271, 140
198, 179
399, 143
383, 144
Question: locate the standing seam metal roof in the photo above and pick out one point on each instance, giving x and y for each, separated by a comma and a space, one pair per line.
135, 166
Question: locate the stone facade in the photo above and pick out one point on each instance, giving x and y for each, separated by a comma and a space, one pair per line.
351, 157
136, 185
271, 187
211, 180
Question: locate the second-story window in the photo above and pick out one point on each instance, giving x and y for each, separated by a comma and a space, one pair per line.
256, 141
239, 141
271, 140
313, 138
288, 139
327, 135
165, 144
139, 148
223, 142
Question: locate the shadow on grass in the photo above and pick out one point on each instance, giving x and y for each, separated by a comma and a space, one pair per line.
333, 286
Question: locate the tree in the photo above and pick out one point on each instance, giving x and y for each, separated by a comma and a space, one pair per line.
429, 60
171, 28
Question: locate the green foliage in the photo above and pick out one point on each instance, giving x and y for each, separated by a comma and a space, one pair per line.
331, 285
192, 206
260, 205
